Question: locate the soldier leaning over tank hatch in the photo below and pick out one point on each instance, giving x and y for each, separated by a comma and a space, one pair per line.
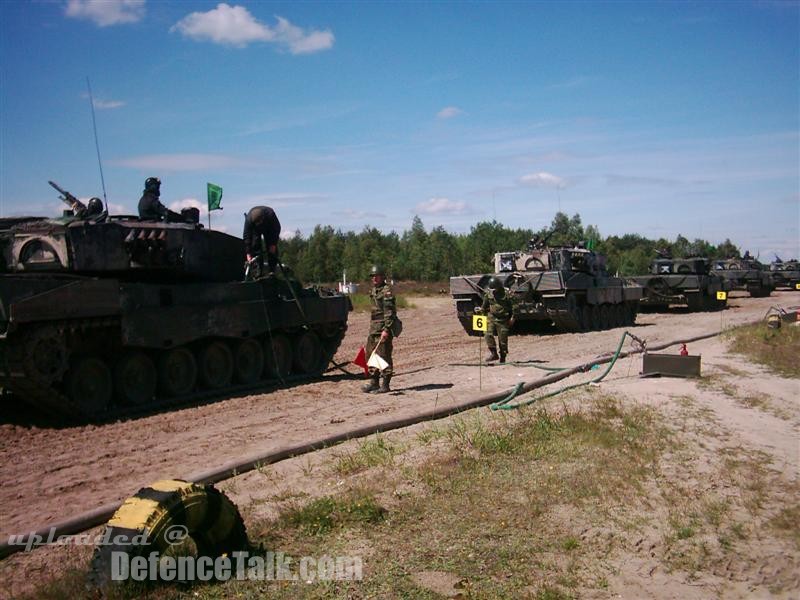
150, 207
262, 222
499, 310
381, 327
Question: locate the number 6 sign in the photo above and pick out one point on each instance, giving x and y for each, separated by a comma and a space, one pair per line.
479, 323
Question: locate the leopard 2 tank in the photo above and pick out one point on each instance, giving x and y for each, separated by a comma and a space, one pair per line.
683, 281
785, 273
746, 274
106, 315
566, 286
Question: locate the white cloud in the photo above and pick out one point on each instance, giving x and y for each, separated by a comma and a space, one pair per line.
543, 180
359, 214
108, 104
235, 26
106, 12
448, 112
190, 203
183, 162
442, 206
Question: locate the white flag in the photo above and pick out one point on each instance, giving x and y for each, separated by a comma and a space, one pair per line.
376, 362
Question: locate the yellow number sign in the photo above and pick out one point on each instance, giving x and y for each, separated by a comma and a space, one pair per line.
722, 295
797, 286
479, 323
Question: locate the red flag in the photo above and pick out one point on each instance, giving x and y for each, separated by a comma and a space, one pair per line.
361, 360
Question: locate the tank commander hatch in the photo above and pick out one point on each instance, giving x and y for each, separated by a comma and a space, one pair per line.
150, 207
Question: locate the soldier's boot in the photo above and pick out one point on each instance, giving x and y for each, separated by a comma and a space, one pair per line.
492, 355
502, 357
372, 385
384, 384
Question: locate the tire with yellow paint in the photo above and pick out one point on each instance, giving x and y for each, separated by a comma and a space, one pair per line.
170, 517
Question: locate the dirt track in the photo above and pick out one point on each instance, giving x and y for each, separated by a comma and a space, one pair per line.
50, 474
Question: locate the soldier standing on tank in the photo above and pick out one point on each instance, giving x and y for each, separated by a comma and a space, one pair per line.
499, 310
262, 222
379, 339
150, 207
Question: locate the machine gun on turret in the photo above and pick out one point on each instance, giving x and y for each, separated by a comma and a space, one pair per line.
78, 208
537, 243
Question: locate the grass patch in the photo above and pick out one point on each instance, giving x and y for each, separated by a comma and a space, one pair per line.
324, 514
372, 452
776, 349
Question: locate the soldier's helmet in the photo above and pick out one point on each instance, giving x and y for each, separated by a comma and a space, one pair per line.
95, 206
494, 284
152, 184
377, 270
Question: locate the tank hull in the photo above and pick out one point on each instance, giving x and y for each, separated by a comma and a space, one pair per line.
696, 292
569, 300
89, 347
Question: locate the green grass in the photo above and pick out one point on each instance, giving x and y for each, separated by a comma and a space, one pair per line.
776, 349
371, 452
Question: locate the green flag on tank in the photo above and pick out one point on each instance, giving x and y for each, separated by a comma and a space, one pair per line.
214, 197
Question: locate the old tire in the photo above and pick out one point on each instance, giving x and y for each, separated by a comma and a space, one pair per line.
90, 386
248, 361
147, 522
277, 355
177, 372
135, 379
307, 354
215, 365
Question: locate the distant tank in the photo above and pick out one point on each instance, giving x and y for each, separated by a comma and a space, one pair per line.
686, 281
566, 286
785, 274
746, 274
102, 315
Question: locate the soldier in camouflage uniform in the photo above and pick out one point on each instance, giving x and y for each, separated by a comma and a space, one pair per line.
498, 308
382, 319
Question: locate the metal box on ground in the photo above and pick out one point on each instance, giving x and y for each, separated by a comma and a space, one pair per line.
670, 365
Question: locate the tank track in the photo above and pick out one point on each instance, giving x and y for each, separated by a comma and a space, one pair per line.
18, 375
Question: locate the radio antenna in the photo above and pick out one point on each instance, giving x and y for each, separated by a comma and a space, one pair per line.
96, 143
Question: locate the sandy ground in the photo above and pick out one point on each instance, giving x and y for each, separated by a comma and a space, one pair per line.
50, 474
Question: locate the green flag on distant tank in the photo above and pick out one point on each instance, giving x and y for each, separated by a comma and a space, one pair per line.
214, 197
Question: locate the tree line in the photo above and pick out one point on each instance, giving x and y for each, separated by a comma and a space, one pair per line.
421, 255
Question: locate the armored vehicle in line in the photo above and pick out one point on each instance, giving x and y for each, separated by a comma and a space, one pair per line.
746, 274
785, 274
687, 281
105, 315
566, 286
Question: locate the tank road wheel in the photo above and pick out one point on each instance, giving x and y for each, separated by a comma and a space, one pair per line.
587, 317
617, 315
596, 326
604, 317
215, 365
135, 379
630, 313
46, 356
694, 300
177, 372
90, 386
307, 354
174, 518
248, 361
277, 355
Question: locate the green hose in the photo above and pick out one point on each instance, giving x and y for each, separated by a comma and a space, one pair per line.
504, 403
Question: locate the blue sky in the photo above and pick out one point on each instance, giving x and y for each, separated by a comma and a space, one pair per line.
655, 118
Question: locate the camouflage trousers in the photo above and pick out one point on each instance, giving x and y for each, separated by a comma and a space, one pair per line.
500, 329
384, 351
